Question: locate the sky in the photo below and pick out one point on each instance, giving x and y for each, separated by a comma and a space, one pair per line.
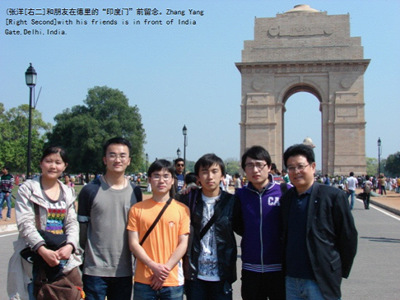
178, 74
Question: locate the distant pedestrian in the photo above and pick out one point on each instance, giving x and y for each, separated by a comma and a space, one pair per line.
382, 184
237, 182
367, 191
327, 180
351, 184
179, 176
6, 186
68, 181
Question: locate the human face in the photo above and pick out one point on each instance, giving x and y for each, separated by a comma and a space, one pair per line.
52, 166
161, 182
210, 178
117, 158
257, 172
179, 167
301, 179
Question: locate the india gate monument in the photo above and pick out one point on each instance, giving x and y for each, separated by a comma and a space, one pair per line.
305, 50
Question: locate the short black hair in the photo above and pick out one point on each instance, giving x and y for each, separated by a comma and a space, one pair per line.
299, 149
178, 160
256, 152
207, 160
117, 140
53, 150
160, 164
190, 178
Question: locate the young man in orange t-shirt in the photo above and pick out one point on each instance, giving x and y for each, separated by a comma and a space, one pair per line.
159, 273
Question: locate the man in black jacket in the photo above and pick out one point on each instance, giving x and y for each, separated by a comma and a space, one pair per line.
320, 238
210, 263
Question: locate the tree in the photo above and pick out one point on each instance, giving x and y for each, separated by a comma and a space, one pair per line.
14, 137
232, 166
372, 166
392, 165
83, 129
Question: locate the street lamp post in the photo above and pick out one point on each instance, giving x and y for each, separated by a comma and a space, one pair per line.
184, 132
379, 155
147, 162
30, 79
178, 152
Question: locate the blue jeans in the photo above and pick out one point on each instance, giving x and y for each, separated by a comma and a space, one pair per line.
145, 292
299, 289
31, 288
115, 288
3, 198
210, 290
352, 194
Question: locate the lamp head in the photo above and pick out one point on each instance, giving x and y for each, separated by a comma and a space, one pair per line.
30, 76
184, 130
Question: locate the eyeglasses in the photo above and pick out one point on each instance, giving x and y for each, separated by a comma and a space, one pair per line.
180, 165
258, 166
159, 176
114, 156
300, 168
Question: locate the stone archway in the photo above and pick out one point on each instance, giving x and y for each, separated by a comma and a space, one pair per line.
305, 50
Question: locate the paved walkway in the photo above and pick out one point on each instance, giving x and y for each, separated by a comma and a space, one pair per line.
390, 202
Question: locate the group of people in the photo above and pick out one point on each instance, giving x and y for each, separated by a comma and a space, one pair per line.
297, 240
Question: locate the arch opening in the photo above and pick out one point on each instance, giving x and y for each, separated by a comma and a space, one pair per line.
302, 119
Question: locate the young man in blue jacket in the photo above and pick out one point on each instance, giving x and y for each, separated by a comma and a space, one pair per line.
260, 228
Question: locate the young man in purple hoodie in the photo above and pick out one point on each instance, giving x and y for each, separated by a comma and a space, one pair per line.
260, 228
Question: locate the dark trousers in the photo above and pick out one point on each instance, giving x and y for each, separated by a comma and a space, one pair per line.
209, 290
263, 286
115, 288
366, 200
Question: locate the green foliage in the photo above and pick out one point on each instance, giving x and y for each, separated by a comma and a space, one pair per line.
14, 137
83, 129
372, 166
189, 166
232, 166
392, 165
